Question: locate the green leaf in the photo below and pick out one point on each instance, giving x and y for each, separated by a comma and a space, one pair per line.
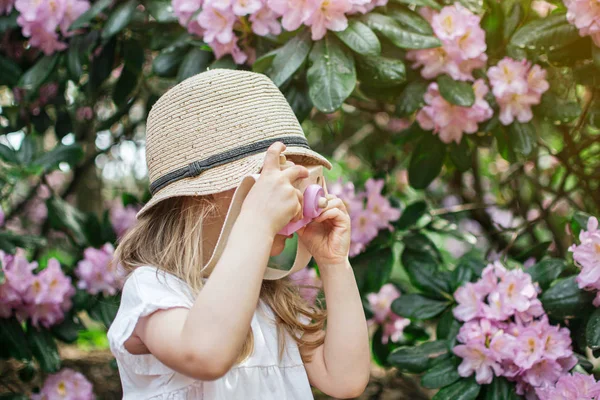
538, 252
9, 155
460, 154
360, 39
464, 389
297, 96
557, 110
399, 36
23, 241
411, 98
36, 75
13, 396
579, 221
418, 307
381, 71
512, 19
10, 72
68, 330
522, 137
133, 53
331, 76
290, 57
63, 216
13, 337
263, 62
476, 6
456, 92
9, 21
28, 149
379, 350
422, 3
443, 374
161, 10
43, 348
378, 265
70, 154
564, 299
542, 34
447, 327
168, 61
410, 20
411, 215
426, 161
102, 65
119, 19
27, 373
90, 14
417, 359
592, 330
194, 62
501, 389
105, 310
546, 271
596, 55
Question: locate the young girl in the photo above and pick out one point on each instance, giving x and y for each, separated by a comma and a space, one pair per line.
181, 333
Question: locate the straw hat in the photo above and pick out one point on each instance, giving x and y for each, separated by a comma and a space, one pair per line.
209, 131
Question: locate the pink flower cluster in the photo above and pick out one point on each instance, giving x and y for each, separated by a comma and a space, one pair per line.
122, 218
97, 273
39, 21
585, 15
506, 332
381, 302
219, 19
309, 283
577, 386
517, 85
42, 297
587, 255
366, 219
450, 121
67, 384
463, 44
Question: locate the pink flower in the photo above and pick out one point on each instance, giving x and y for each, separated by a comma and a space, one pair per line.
232, 48
1, 216
84, 114
66, 385
477, 359
517, 290
245, 7
18, 271
576, 386
122, 218
97, 273
294, 12
587, 255
517, 87
218, 24
585, 15
73, 9
347, 193
184, 9
309, 283
530, 350
379, 205
265, 21
364, 226
394, 329
469, 299
356, 248
451, 121
463, 44
329, 15
542, 8
381, 302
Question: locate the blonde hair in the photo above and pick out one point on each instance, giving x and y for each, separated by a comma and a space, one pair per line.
170, 237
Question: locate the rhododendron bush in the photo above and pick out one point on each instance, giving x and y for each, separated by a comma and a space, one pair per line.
465, 139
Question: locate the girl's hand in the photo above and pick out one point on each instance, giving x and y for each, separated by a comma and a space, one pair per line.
273, 199
327, 237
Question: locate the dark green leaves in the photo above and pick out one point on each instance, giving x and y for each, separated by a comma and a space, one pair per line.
418, 358
418, 307
36, 75
105, 310
522, 137
381, 71
464, 389
411, 214
331, 76
456, 92
501, 389
13, 337
546, 271
410, 20
194, 62
290, 57
119, 19
10, 72
49, 160
44, 348
133, 53
565, 300
161, 10
398, 35
360, 38
442, 374
168, 61
64, 216
411, 98
541, 34
592, 330
90, 14
426, 161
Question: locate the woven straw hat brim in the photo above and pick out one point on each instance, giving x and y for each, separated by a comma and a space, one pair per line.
228, 176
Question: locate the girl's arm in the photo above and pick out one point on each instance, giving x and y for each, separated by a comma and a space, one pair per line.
340, 367
205, 341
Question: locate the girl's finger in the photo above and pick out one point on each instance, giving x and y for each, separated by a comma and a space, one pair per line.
334, 213
299, 214
336, 203
295, 172
272, 156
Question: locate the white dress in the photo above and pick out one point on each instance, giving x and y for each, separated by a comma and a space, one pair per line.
262, 376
